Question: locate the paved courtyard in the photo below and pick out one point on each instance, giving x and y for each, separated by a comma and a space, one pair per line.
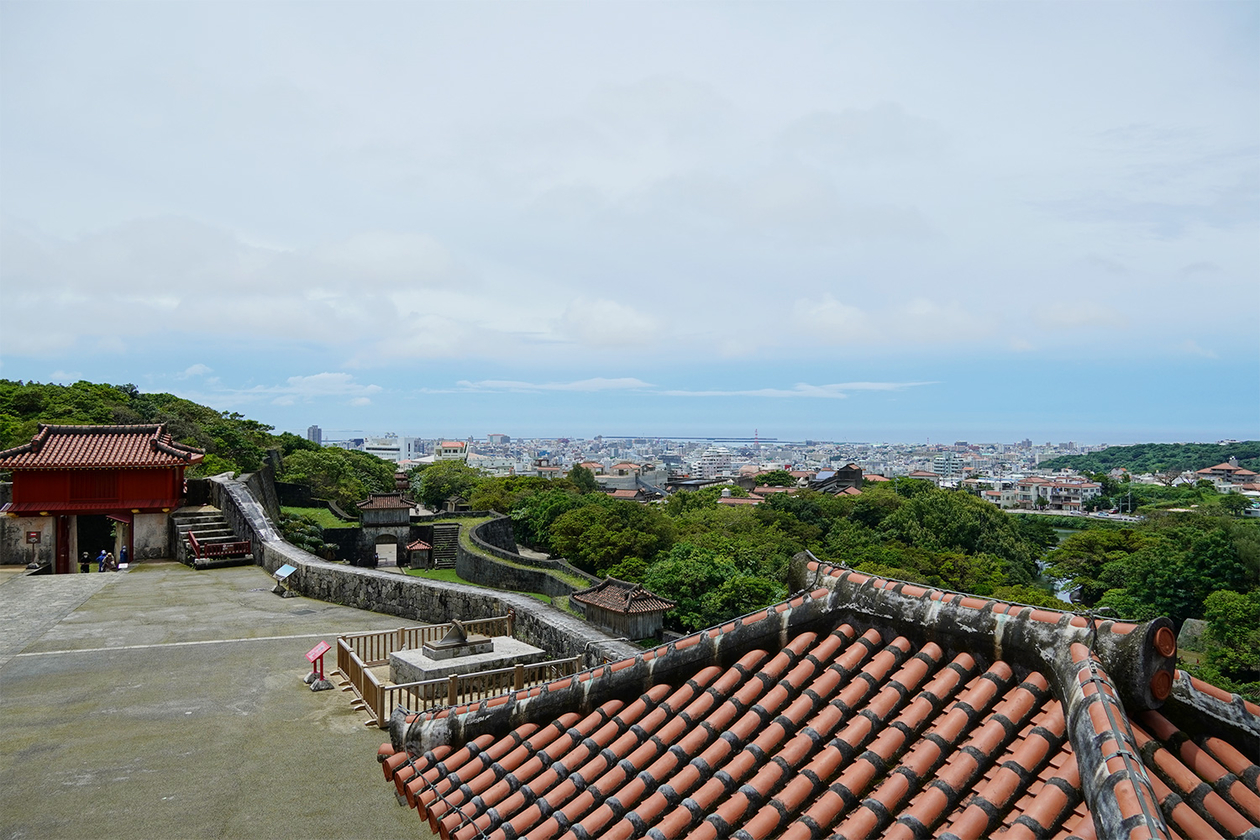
167, 703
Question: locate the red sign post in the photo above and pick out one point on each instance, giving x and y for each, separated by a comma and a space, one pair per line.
315, 656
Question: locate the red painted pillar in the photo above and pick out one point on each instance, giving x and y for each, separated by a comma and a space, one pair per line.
61, 565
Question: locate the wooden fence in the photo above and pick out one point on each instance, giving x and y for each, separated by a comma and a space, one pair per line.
374, 648
359, 653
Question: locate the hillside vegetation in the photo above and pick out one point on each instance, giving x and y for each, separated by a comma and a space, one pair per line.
1160, 457
232, 442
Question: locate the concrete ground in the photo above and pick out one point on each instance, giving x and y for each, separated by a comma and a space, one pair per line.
162, 702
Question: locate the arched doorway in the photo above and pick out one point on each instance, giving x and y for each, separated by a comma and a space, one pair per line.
386, 550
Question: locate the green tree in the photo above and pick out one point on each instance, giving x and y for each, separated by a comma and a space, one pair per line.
533, 516
601, 535
327, 472
1234, 503
583, 479
776, 478
1233, 620
444, 479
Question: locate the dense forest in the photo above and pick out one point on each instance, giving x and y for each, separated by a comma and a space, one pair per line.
1160, 457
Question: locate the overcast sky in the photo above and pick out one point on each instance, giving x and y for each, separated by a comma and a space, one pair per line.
846, 221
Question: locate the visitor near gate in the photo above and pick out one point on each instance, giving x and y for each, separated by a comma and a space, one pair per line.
100, 561
85, 563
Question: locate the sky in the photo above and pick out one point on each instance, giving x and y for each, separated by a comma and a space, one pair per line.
840, 221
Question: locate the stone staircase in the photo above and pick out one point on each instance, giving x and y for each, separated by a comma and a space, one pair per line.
445, 542
213, 533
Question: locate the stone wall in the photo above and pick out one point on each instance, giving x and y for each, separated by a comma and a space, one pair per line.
263, 485
14, 550
519, 573
294, 495
410, 598
150, 536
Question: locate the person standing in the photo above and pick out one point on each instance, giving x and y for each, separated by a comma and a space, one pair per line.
122, 556
110, 563
100, 561
85, 563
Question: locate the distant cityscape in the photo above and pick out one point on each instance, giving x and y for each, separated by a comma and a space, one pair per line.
1007, 474
708, 457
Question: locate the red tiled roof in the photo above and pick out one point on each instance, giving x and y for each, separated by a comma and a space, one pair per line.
385, 501
453, 444
623, 597
624, 494
866, 708
875, 477
99, 447
418, 545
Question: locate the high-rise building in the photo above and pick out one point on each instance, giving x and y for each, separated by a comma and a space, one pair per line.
315, 434
713, 462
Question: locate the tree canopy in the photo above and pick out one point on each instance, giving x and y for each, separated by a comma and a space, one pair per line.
1160, 457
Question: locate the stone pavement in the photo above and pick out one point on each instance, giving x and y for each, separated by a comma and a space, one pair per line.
60, 595
165, 702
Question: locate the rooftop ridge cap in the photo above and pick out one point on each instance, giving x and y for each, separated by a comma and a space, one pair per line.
20, 449
1139, 657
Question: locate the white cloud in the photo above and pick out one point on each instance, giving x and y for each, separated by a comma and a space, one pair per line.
833, 322
1192, 348
195, 370
606, 323
1078, 315
837, 391
596, 384
337, 387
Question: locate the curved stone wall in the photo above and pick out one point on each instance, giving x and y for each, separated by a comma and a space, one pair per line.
519, 573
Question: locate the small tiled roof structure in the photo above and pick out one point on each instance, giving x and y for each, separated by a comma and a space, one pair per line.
861, 708
621, 596
385, 501
876, 477
57, 447
418, 545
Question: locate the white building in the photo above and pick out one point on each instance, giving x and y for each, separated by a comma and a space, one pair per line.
450, 450
391, 447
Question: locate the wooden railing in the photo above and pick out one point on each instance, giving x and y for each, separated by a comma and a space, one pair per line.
357, 654
208, 550
470, 688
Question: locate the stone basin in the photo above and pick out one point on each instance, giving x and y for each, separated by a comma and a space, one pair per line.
413, 665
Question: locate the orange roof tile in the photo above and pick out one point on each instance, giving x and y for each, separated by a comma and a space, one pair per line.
827, 715
57, 447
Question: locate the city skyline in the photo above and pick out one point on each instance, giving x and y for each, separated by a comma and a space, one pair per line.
855, 221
